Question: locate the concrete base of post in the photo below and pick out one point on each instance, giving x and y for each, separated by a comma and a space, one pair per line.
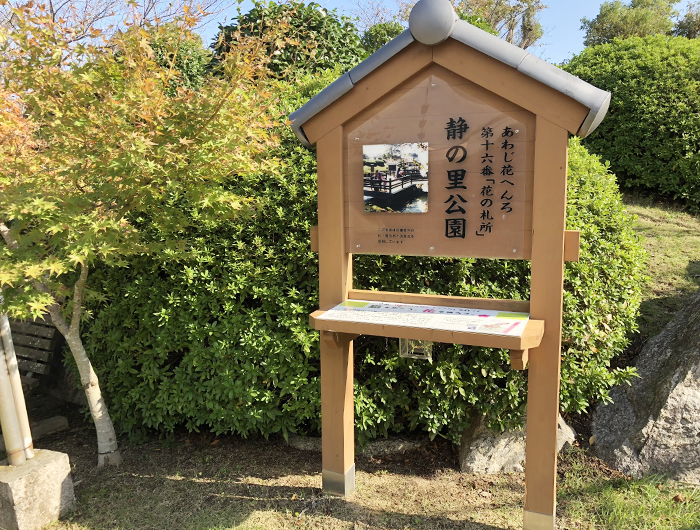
37, 492
538, 521
339, 483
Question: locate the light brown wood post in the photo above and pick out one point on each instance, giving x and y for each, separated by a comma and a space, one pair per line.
335, 278
547, 285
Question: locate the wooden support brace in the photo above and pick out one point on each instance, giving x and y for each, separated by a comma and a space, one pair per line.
572, 245
314, 238
334, 339
546, 291
518, 359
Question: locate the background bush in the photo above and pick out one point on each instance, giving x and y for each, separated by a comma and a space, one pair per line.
317, 38
377, 35
183, 51
651, 135
221, 341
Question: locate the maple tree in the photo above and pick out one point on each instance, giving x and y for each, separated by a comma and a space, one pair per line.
97, 148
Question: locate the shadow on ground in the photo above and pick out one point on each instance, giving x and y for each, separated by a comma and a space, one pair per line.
197, 481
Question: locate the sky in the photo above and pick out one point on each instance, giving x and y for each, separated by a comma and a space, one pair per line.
562, 39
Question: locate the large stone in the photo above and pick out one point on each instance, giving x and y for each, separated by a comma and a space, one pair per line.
37, 492
653, 426
482, 451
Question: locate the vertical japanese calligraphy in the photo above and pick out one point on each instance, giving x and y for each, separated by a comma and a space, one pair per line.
485, 226
507, 170
456, 224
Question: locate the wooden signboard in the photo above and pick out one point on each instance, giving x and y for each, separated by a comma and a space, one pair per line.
446, 142
472, 194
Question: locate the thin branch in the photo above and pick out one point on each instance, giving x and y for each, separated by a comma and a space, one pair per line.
78, 298
9, 240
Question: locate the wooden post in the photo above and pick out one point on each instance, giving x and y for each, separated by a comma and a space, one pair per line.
335, 278
546, 291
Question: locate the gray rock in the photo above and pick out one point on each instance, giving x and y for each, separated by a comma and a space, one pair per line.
483, 451
653, 426
37, 492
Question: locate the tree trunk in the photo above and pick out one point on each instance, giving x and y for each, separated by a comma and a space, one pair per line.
107, 448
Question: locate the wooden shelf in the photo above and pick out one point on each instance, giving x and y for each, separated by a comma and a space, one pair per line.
531, 337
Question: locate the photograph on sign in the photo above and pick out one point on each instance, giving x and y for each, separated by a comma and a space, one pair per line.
395, 177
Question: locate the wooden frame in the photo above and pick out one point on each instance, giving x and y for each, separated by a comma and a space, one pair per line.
538, 350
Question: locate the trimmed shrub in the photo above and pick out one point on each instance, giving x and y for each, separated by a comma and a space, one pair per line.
376, 36
651, 135
191, 59
317, 39
221, 342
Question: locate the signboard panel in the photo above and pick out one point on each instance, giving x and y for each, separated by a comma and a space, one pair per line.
462, 319
445, 168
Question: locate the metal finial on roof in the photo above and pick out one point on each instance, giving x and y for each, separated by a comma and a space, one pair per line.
431, 21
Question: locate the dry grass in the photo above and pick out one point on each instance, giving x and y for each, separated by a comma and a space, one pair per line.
198, 482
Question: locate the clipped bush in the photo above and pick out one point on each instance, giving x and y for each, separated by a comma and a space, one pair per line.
651, 135
377, 35
184, 52
221, 342
316, 39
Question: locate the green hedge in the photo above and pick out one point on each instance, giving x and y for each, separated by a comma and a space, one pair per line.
651, 135
315, 39
222, 343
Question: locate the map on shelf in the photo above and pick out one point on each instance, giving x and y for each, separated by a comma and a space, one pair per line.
485, 321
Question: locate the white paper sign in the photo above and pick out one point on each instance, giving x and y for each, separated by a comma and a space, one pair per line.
430, 317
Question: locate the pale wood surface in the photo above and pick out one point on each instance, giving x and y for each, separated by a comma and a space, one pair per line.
572, 245
335, 278
515, 86
531, 337
337, 340
518, 359
335, 265
313, 236
546, 291
518, 306
378, 83
424, 105
572, 249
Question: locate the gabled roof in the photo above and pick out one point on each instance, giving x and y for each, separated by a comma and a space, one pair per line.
432, 22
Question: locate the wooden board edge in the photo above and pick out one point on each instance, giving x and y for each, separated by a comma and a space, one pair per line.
519, 306
533, 331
